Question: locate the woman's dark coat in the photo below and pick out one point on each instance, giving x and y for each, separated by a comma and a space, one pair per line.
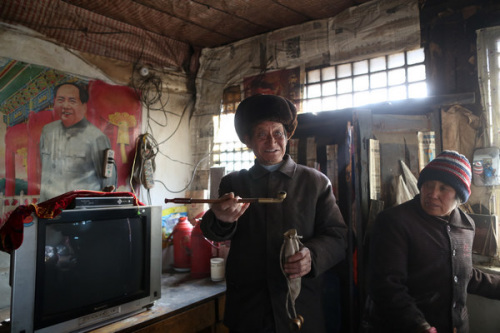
255, 283
420, 270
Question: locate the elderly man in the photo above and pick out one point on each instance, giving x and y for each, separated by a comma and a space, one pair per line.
72, 149
256, 294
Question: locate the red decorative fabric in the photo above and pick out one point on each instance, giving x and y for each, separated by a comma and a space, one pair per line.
11, 232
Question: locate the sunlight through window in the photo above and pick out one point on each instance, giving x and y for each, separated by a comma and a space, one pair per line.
381, 79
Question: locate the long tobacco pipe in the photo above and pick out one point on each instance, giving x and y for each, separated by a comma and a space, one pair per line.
279, 198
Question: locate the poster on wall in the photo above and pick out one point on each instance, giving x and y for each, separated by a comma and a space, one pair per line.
285, 83
60, 131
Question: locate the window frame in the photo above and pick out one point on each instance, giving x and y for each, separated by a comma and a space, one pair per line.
346, 74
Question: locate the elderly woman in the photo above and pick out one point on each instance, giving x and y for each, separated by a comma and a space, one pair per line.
256, 295
420, 259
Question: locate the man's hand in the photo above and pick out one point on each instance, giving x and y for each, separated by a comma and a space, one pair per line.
298, 264
229, 209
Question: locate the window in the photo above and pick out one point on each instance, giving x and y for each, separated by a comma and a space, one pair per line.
228, 151
386, 78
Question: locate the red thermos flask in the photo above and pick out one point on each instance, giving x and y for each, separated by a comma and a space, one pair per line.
182, 244
201, 252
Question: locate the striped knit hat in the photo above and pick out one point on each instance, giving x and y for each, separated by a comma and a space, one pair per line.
450, 168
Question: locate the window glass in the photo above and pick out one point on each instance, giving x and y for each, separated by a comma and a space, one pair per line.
228, 151
361, 97
416, 73
360, 67
397, 76
329, 88
328, 73
313, 104
377, 64
345, 86
344, 101
344, 70
417, 90
378, 95
313, 76
397, 93
314, 91
329, 103
378, 80
396, 60
415, 56
361, 83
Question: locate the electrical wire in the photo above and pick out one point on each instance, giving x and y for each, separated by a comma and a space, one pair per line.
147, 148
149, 89
179, 123
192, 176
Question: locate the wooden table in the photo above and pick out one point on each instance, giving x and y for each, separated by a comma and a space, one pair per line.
186, 305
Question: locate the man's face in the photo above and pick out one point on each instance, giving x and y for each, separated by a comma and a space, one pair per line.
68, 105
268, 142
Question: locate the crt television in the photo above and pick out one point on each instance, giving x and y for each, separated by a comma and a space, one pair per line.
86, 268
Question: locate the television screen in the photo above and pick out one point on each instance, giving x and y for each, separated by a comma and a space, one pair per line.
103, 257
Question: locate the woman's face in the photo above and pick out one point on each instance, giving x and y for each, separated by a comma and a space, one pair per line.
438, 198
268, 142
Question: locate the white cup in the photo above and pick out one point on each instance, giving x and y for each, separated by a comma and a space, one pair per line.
217, 269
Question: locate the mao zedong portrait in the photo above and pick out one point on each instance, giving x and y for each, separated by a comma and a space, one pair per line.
72, 149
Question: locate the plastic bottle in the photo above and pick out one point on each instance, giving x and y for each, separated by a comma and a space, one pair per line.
182, 245
201, 252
